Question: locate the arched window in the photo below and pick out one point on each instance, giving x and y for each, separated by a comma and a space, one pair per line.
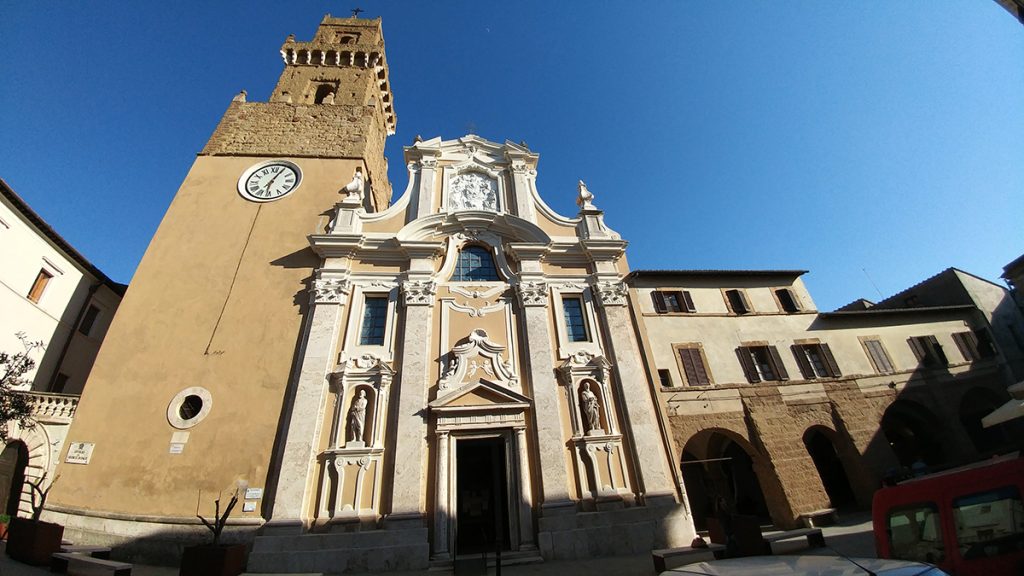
475, 264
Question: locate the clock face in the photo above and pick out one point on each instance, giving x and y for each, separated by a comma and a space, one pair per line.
269, 181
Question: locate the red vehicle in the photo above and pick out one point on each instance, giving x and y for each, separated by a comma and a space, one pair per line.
969, 521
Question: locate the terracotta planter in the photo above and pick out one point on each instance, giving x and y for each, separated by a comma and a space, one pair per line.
210, 560
3, 530
33, 542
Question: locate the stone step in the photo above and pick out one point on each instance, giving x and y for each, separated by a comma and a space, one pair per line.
342, 559
367, 539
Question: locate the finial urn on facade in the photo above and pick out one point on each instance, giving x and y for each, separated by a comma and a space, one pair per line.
354, 189
240, 97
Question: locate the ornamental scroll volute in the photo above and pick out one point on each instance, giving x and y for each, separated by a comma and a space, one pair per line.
478, 358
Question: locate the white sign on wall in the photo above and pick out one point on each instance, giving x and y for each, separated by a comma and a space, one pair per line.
79, 452
253, 493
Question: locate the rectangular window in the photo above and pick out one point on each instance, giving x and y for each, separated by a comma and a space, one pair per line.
694, 368
878, 356
672, 301
928, 351
42, 279
915, 533
967, 342
737, 301
88, 320
761, 363
665, 378
787, 299
816, 361
575, 322
375, 320
989, 523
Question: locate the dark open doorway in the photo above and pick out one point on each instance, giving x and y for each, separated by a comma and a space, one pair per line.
13, 461
830, 469
481, 496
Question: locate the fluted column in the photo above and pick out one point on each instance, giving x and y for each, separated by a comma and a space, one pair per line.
634, 394
298, 460
407, 500
550, 442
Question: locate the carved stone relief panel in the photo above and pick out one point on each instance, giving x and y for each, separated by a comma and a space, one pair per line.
473, 191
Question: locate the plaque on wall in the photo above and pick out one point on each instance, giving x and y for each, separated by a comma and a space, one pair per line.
177, 447
249, 506
253, 493
79, 453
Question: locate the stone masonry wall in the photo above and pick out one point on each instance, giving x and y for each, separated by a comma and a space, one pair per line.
315, 131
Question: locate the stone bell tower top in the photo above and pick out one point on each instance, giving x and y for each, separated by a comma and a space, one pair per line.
343, 64
332, 101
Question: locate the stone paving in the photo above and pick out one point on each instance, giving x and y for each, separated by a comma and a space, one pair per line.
851, 537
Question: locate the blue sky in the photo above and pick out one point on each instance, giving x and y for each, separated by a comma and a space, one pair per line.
853, 139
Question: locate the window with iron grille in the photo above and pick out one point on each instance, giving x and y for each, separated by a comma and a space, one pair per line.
575, 321
475, 264
375, 320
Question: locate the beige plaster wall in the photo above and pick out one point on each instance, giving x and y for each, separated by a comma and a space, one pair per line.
217, 302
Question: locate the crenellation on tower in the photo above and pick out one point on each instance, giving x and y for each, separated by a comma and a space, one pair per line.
333, 100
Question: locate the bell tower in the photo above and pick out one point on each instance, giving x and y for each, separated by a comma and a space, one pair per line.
195, 369
333, 100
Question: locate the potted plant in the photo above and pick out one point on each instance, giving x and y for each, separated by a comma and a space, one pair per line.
4, 519
33, 541
214, 558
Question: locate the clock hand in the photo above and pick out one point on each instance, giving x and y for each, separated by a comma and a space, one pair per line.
269, 184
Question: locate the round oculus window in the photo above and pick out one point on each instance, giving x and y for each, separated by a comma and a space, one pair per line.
189, 407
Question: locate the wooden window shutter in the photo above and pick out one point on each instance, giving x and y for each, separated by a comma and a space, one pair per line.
688, 302
748, 364
830, 361
968, 345
743, 301
780, 369
688, 368
918, 349
698, 366
802, 361
659, 302
933, 343
788, 300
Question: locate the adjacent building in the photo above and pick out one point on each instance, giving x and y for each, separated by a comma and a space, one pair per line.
53, 295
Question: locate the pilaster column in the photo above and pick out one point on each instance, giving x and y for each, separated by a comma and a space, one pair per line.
634, 393
298, 459
533, 295
441, 506
525, 493
407, 501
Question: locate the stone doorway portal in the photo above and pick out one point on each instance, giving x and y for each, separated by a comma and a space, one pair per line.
481, 495
13, 461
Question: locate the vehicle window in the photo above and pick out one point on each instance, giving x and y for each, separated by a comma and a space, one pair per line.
989, 523
915, 533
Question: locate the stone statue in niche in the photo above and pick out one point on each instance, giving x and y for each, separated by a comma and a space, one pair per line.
357, 418
591, 409
473, 191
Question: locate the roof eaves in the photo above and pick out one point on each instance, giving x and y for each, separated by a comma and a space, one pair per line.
37, 221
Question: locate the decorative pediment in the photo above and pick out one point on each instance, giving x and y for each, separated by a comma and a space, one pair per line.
363, 369
477, 357
480, 394
584, 364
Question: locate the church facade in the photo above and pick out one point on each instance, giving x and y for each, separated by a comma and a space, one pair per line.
391, 385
